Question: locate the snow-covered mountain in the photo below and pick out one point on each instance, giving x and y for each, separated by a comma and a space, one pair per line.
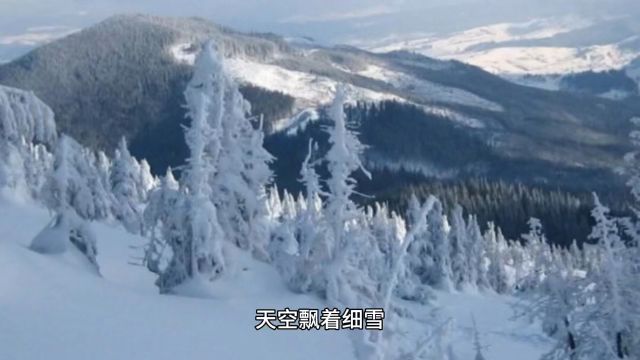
540, 48
222, 263
126, 75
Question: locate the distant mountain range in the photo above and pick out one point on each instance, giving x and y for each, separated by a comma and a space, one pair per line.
125, 77
536, 52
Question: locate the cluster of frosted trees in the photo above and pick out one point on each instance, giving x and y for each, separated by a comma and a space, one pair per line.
220, 199
27, 130
80, 186
76, 184
321, 241
594, 313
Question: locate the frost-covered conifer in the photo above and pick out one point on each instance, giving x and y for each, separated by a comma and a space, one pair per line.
298, 249
343, 158
395, 272
429, 255
125, 180
27, 128
477, 255
158, 222
72, 194
460, 250
497, 272
243, 171
196, 237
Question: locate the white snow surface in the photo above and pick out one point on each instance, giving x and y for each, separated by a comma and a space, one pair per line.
427, 89
52, 306
311, 90
504, 337
550, 60
308, 89
180, 52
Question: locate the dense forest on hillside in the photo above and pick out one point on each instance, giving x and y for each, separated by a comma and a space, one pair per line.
599, 82
483, 183
565, 216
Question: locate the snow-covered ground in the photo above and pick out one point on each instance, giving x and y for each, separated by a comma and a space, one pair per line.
54, 307
308, 89
505, 337
427, 89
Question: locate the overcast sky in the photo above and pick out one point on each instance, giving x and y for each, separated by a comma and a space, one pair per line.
27, 22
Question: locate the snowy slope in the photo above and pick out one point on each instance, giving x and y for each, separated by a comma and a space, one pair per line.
557, 45
457, 43
504, 337
308, 89
311, 89
427, 89
551, 60
51, 306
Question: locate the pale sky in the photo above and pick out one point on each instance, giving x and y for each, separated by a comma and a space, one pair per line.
28, 22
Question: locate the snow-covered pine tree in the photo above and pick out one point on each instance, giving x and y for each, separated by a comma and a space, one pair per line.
103, 165
478, 255
460, 250
429, 255
243, 171
27, 129
146, 179
70, 193
441, 250
395, 270
576, 256
126, 185
30, 164
196, 237
539, 258
158, 219
298, 249
497, 273
343, 158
